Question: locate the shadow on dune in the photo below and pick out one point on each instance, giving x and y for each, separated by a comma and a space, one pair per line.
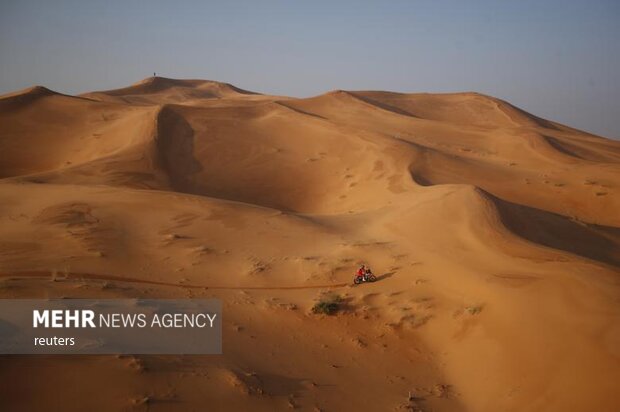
593, 151
600, 243
596, 242
175, 149
385, 276
560, 147
382, 105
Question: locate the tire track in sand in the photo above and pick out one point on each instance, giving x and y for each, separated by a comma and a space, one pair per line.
111, 278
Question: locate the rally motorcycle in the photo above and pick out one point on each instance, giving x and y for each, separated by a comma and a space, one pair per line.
367, 277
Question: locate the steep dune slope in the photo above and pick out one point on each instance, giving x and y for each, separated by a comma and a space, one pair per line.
494, 234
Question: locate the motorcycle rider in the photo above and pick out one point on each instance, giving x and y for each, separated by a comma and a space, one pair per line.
361, 272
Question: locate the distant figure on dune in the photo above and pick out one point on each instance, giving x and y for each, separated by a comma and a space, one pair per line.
154, 74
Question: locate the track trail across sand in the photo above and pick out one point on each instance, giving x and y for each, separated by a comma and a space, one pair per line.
104, 277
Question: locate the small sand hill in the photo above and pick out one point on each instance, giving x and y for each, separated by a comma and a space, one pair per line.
494, 235
44, 131
160, 90
25, 96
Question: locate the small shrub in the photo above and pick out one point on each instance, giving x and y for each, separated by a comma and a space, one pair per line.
473, 310
327, 305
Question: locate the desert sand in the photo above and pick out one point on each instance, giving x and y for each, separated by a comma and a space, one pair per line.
495, 236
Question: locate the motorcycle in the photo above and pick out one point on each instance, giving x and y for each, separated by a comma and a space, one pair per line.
368, 277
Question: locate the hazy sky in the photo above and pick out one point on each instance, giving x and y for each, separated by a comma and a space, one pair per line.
559, 59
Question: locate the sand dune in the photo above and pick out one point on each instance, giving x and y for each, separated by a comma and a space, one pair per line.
495, 235
159, 90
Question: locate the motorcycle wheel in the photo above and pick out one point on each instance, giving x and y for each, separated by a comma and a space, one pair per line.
357, 280
371, 278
